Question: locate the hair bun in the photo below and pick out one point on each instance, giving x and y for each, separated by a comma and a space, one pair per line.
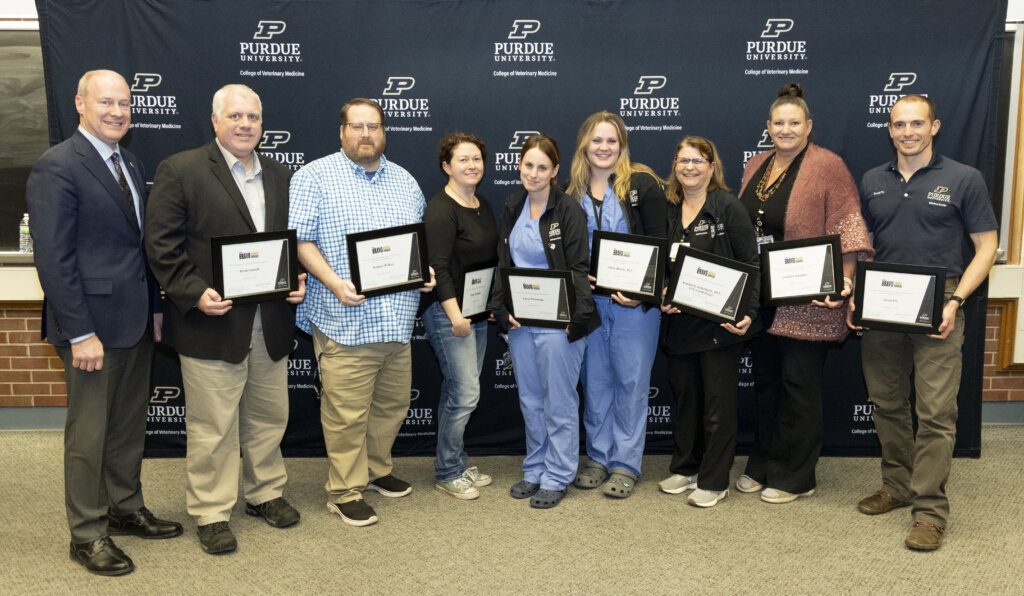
792, 89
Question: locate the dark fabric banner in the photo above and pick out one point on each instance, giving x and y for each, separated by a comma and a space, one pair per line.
506, 69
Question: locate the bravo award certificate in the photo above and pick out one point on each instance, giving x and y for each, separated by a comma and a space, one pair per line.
709, 286
629, 264
904, 298
539, 297
255, 267
476, 289
388, 260
799, 271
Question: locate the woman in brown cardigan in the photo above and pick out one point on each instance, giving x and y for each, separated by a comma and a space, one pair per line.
798, 190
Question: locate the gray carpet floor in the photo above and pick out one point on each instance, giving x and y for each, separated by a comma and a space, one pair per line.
430, 543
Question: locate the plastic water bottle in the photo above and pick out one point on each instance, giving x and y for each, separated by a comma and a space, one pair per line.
24, 237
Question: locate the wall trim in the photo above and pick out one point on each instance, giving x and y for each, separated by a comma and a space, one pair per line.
1007, 333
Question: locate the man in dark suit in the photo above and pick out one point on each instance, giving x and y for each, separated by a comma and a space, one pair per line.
234, 358
86, 198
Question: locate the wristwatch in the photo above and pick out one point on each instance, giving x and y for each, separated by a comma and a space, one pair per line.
959, 300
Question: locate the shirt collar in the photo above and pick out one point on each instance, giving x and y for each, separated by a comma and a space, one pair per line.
360, 170
934, 164
104, 149
232, 160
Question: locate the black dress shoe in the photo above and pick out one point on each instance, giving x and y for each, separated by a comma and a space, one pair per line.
143, 524
277, 512
102, 557
216, 538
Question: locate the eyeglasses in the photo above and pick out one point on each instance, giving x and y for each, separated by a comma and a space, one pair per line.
685, 161
361, 127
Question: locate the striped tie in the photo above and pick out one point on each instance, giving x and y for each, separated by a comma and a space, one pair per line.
121, 180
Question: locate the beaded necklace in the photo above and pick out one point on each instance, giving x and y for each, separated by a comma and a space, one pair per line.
764, 191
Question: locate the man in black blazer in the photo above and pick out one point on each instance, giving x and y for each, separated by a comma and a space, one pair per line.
234, 358
86, 198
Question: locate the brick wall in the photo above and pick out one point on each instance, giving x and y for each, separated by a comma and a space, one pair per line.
31, 374
998, 385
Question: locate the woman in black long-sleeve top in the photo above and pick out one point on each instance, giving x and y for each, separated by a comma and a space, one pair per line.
461, 233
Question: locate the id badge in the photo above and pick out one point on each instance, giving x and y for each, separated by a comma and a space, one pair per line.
764, 240
675, 249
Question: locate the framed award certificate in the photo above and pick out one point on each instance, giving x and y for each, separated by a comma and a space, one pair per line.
628, 264
904, 298
388, 260
476, 289
255, 267
799, 271
539, 297
709, 286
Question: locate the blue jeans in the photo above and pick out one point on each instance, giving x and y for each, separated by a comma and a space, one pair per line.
461, 360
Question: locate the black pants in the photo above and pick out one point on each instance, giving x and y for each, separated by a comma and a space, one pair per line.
787, 441
704, 386
104, 435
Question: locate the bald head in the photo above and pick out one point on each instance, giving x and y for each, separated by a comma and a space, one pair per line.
104, 105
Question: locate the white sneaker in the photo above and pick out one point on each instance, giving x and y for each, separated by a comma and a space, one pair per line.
707, 498
774, 495
677, 483
746, 484
460, 488
478, 477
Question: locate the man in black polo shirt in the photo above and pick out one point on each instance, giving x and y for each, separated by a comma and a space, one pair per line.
918, 209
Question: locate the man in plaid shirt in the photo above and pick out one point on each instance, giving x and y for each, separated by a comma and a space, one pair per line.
361, 344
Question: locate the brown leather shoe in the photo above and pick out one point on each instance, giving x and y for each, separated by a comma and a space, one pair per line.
925, 536
102, 557
878, 503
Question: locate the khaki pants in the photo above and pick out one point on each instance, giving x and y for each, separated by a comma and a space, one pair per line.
364, 402
230, 407
915, 468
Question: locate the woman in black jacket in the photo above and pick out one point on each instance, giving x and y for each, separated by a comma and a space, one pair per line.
542, 228
703, 355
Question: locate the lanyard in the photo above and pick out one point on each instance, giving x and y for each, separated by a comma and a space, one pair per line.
598, 211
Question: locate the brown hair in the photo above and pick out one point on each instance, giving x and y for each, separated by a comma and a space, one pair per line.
360, 101
791, 94
545, 145
450, 142
708, 150
917, 97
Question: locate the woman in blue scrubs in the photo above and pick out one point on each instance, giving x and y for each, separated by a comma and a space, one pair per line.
542, 228
617, 195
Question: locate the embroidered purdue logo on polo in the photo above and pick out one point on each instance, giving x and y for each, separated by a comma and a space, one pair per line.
940, 194
554, 232
634, 197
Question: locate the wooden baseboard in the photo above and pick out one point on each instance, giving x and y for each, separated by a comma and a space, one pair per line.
1007, 333
21, 305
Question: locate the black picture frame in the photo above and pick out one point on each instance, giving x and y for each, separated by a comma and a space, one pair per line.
568, 297
486, 313
740, 300
419, 271
835, 245
929, 310
656, 266
288, 268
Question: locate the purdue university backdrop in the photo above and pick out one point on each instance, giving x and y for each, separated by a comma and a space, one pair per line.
504, 69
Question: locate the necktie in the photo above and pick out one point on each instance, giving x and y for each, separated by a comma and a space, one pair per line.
123, 182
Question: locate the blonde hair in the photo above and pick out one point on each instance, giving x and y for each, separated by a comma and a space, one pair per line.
579, 173
708, 151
